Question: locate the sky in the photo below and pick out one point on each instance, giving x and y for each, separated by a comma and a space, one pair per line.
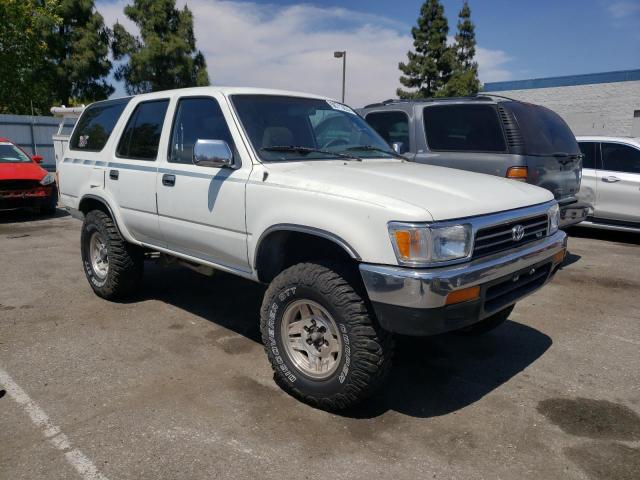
289, 44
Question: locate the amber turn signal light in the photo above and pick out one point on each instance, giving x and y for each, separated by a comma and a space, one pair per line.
517, 173
464, 295
559, 257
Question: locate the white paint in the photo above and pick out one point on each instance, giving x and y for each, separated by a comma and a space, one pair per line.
54, 435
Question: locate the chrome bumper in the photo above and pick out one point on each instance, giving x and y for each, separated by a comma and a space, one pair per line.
427, 289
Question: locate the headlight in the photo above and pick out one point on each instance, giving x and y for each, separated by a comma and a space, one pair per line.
554, 219
421, 245
48, 179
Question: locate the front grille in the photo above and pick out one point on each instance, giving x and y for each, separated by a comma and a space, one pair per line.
9, 185
506, 291
500, 237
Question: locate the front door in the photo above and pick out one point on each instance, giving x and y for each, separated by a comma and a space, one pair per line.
618, 196
201, 208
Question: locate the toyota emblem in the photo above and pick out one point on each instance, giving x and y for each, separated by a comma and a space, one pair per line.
517, 233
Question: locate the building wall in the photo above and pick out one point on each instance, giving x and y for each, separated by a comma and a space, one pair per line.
597, 109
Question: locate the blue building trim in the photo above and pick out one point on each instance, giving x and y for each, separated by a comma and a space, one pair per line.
568, 81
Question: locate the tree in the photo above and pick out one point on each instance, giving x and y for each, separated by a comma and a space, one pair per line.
78, 48
24, 69
430, 66
464, 79
165, 55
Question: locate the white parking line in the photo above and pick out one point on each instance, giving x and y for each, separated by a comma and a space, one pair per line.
54, 435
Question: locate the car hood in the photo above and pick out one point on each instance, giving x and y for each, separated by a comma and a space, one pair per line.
442, 193
21, 171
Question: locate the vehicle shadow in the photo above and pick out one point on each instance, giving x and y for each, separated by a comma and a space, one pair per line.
22, 216
431, 376
601, 234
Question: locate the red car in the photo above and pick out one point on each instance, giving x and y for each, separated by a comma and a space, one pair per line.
24, 183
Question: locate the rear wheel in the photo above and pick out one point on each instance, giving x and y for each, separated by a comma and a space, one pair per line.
488, 324
112, 266
323, 345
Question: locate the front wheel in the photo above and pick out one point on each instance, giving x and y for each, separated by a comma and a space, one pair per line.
323, 345
112, 266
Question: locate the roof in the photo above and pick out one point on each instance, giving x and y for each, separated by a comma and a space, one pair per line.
476, 98
232, 91
604, 138
566, 81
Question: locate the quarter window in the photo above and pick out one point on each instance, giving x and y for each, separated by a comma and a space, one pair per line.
392, 126
96, 124
588, 149
141, 136
196, 119
620, 158
463, 128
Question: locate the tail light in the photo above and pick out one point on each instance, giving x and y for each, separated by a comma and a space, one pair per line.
517, 173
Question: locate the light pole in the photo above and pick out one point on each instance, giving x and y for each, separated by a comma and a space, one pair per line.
343, 56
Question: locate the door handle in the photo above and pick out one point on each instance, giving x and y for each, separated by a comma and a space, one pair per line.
168, 180
114, 174
610, 179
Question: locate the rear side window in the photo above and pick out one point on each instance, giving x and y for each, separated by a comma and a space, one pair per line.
620, 158
392, 126
588, 149
543, 130
196, 119
141, 136
467, 128
96, 124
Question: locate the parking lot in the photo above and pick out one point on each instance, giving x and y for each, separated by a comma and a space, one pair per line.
175, 384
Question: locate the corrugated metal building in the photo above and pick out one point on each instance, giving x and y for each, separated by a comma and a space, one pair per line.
605, 103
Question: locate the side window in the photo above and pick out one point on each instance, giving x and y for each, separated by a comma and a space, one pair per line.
392, 126
588, 149
463, 128
620, 158
196, 118
96, 124
141, 136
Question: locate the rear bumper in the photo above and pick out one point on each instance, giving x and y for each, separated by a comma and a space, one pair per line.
413, 301
572, 212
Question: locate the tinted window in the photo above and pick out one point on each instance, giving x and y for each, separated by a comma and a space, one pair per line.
196, 118
141, 136
543, 130
279, 121
588, 149
463, 128
392, 126
96, 124
620, 158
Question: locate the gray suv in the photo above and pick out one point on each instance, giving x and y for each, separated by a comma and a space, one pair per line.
488, 134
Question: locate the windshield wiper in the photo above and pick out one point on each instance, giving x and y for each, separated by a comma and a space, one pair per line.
371, 148
567, 155
301, 149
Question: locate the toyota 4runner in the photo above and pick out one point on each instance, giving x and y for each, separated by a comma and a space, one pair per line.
296, 191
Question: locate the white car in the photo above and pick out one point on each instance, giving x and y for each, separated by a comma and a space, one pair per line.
611, 182
298, 192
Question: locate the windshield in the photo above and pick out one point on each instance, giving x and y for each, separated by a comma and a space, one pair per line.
544, 132
12, 154
310, 125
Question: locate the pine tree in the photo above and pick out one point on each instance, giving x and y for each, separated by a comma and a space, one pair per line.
78, 49
464, 79
165, 55
430, 65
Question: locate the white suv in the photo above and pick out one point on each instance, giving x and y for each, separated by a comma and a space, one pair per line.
298, 192
611, 182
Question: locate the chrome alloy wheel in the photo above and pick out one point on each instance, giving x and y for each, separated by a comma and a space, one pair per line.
311, 339
98, 256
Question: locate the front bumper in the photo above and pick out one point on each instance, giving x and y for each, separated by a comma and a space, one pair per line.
573, 212
412, 301
32, 198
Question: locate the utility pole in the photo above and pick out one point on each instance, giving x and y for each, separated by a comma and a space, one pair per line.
343, 56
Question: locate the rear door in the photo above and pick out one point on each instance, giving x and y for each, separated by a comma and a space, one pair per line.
393, 126
131, 173
618, 196
550, 147
467, 136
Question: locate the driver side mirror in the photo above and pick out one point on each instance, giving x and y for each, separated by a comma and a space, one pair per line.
212, 153
37, 158
398, 147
